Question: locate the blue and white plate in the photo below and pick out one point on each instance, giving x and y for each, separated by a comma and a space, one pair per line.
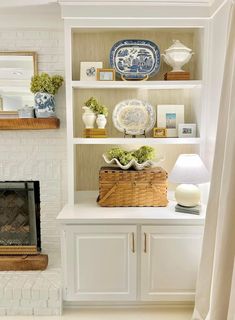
134, 117
135, 59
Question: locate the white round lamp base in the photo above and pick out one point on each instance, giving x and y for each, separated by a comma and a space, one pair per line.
187, 195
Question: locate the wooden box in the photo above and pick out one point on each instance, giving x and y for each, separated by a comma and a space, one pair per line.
183, 75
95, 133
131, 188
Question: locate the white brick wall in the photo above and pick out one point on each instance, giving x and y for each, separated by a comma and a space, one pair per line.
31, 293
39, 155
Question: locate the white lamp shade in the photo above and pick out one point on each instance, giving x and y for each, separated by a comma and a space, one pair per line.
189, 169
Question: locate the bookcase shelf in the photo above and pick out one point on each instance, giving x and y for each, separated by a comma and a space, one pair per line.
136, 141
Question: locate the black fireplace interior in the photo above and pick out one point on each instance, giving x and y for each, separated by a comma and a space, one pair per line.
20, 213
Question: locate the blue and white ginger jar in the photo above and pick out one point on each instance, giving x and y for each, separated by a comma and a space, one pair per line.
44, 105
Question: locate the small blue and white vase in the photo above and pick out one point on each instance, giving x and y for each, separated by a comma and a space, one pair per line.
44, 105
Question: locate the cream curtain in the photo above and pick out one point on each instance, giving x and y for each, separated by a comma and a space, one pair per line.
215, 295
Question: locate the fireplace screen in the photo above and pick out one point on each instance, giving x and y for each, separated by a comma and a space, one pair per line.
19, 218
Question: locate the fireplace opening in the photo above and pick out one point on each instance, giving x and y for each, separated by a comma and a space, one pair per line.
20, 217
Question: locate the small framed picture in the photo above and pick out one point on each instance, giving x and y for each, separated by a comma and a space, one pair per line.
169, 116
187, 130
88, 70
159, 132
105, 74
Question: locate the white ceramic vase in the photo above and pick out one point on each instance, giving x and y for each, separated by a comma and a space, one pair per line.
101, 121
88, 118
177, 55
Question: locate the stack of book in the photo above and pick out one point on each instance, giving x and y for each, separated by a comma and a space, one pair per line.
95, 133
192, 210
183, 75
9, 115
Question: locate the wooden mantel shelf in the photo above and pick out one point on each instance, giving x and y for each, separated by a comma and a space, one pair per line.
29, 124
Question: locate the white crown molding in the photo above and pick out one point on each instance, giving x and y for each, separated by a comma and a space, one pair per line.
217, 5
23, 3
102, 10
48, 13
128, 2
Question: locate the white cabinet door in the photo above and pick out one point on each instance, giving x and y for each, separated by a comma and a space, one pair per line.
169, 262
101, 263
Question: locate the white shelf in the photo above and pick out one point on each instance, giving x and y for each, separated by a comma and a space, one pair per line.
188, 84
145, 141
88, 211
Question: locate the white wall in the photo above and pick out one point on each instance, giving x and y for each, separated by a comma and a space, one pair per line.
39, 155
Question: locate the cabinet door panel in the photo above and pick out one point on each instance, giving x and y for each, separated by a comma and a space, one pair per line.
169, 262
103, 264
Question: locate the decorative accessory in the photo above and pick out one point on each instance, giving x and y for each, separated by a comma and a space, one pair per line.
95, 133
88, 117
26, 112
131, 188
44, 105
139, 159
135, 59
134, 117
101, 121
106, 74
159, 132
169, 116
92, 109
186, 130
192, 210
45, 87
88, 70
96, 106
188, 170
181, 75
177, 55
132, 164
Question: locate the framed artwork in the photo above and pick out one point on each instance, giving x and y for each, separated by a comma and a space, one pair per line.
105, 74
187, 130
88, 70
159, 132
169, 116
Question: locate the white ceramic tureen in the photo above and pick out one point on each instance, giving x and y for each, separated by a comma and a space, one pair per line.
177, 55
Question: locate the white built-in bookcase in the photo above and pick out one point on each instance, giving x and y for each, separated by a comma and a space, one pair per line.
91, 41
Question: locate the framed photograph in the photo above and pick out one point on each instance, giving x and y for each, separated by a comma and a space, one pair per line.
88, 70
187, 130
159, 132
105, 74
169, 116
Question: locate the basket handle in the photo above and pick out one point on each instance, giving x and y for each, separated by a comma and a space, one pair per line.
112, 190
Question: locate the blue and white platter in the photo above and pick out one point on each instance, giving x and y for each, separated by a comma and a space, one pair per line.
135, 59
134, 117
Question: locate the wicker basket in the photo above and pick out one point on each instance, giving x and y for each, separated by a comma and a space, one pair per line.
131, 188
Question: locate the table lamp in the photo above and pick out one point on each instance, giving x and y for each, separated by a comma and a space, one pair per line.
189, 170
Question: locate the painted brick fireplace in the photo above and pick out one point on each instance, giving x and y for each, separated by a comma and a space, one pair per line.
37, 156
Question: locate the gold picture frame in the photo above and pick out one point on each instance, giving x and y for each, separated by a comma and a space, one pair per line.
105, 74
160, 132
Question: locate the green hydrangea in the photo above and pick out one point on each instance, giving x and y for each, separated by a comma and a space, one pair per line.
115, 153
96, 106
46, 83
124, 157
144, 153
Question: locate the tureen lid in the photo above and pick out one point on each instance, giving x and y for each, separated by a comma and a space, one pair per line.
178, 45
